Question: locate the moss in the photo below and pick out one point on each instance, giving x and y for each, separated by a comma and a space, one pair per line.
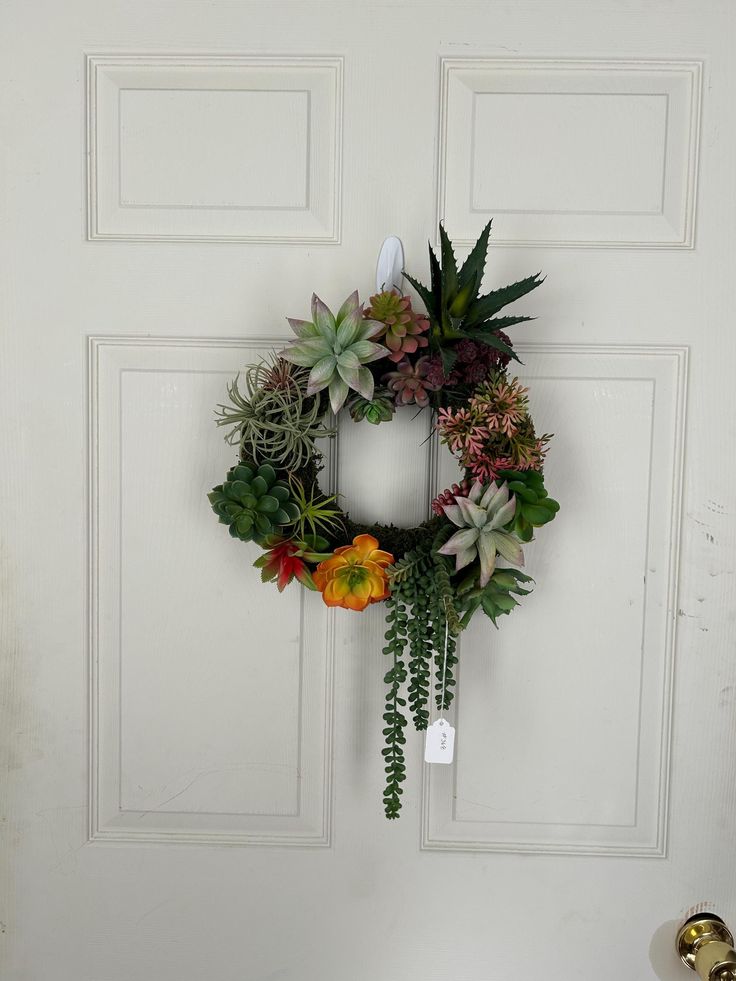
397, 541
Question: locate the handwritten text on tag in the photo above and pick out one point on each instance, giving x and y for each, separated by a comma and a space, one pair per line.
440, 742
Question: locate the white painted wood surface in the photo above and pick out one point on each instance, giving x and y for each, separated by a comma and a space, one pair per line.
192, 776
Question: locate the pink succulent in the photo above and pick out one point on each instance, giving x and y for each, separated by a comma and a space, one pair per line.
405, 327
449, 497
494, 431
409, 383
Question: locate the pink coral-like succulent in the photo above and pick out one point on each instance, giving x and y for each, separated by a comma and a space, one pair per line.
494, 431
503, 403
409, 383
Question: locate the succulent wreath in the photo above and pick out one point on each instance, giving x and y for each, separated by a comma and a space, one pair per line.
451, 359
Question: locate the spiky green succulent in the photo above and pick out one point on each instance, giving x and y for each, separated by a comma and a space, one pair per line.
496, 598
534, 506
482, 517
253, 502
336, 349
454, 306
376, 410
274, 418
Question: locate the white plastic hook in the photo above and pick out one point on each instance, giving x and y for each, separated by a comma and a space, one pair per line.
390, 266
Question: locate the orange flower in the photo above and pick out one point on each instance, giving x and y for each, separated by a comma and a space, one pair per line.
355, 574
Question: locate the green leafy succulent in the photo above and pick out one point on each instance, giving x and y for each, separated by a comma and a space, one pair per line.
337, 350
253, 502
274, 418
454, 306
376, 410
482, 517
496, 598
534, 506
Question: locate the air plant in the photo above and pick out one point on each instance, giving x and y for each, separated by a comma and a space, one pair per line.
482, 517
274, 418
456, 310
316, 510
336, 349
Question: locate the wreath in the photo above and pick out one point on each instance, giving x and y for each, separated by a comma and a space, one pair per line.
452, 359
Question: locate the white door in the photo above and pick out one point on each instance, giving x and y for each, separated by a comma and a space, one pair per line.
193, 783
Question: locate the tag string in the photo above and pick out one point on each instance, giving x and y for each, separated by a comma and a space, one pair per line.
444, 663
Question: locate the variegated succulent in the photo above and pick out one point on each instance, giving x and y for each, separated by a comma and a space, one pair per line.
336, 348
482, 517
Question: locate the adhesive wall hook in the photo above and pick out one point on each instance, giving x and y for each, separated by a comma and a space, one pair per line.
390, 266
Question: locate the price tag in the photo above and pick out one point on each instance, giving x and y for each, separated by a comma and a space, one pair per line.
440, 742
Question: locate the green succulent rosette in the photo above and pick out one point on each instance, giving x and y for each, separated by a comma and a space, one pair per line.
375, 411
253, 502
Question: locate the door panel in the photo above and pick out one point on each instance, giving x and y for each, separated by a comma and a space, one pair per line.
193, 760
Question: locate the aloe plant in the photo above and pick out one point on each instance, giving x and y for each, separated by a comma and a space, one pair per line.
454, 305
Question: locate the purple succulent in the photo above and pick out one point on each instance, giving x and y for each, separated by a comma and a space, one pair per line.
410, 384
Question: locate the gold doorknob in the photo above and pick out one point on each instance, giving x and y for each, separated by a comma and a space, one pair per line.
705, 945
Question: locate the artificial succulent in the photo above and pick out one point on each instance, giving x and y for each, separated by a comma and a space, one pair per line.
482, 517
409, 383
253, 502
285, 559
274, 418
376, 410
336, 349
496, 598
405, 327
456, 310
534, 506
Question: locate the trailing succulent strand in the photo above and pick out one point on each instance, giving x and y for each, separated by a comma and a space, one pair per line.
395, 722
410, 585
417, 637
450, 359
